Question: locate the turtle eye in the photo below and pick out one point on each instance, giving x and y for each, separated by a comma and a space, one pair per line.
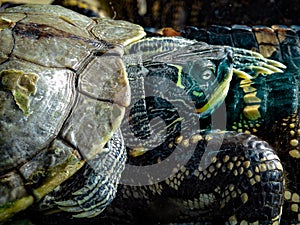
207, 74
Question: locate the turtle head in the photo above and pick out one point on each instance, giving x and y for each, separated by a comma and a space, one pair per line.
209, 78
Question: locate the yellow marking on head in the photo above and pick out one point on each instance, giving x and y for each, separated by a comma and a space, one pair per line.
218, 95
197, 94
179, 78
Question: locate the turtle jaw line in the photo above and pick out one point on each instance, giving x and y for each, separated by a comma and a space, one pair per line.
217, 97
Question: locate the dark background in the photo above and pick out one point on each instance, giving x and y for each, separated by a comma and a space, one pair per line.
162, 13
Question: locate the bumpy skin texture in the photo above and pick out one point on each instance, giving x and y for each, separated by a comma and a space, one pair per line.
228, 190
242, 182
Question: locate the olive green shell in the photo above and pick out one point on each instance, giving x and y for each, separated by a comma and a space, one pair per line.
63, 92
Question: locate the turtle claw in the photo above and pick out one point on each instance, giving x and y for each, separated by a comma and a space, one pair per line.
66, 203
81, 191
88, 214
71, 209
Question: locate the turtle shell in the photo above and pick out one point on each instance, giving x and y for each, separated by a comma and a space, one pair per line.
63, 92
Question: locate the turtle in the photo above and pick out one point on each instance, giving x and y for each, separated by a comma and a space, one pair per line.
138, 190
63, 92
248, 152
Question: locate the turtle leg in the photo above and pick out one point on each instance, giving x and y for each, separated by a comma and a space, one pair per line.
91, 189
230, 179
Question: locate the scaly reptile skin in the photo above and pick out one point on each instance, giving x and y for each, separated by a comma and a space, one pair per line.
278, 123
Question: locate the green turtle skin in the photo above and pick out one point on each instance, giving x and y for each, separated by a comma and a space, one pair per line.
53, 118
